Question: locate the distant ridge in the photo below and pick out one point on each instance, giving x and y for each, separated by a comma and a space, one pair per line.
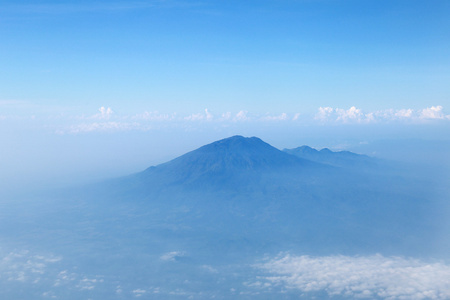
326, 156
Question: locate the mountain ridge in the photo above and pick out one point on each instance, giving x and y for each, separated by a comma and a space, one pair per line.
334, 158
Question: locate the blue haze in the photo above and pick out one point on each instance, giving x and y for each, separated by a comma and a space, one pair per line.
112, 187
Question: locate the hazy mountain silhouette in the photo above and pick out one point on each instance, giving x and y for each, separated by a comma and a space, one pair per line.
202, 220
326, 156
279, 198
235, 164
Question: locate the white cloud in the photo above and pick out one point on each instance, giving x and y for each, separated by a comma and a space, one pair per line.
324, 113
88, 284
139, 292
433, 112
351, 114
280, 117
24, 267
209, 116
172, 256
105, 113
226, 116
103, 121
200, 116
356, 115
241, 116
106, 126
404, 113
154, 116
359, 277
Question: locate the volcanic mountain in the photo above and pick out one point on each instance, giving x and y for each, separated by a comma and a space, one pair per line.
234, 164
243, 189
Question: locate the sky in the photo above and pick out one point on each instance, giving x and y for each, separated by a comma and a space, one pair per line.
95, 89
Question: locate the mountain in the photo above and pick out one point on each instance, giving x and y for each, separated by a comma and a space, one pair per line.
236, 163
326, 156
279, 198
196, 226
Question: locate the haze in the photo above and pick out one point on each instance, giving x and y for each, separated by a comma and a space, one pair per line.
96, 93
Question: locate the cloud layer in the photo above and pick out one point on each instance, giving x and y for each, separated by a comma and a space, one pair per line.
359, 277
356, 115
108, 120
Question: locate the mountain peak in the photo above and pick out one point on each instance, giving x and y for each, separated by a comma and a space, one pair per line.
236, 159
236, 143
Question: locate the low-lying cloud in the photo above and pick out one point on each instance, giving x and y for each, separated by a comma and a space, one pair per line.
357, 115
108, 120
366, 277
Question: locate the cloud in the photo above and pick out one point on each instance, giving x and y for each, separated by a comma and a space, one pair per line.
433, 112
105, 127
25, 267
105, 113
351, 114
280, 117
172, 256
107, 121
241, 116
154, 116
324, 113
226, 116
206, 116
356, 115
403, 113
139, 292
88, 284
367, 277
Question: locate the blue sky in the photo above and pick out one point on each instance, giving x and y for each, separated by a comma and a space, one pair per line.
263, 56
81, 80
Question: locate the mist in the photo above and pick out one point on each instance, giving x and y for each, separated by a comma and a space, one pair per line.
87, 222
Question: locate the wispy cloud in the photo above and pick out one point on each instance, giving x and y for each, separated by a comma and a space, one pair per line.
105, 127
205, 116
281, 117
359, 277
154, 116
105, 113
172, 256
139, 292
241, 116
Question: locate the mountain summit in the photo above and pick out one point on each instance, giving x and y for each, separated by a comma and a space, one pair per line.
234, 153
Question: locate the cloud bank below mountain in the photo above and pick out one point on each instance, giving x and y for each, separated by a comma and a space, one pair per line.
366, 277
